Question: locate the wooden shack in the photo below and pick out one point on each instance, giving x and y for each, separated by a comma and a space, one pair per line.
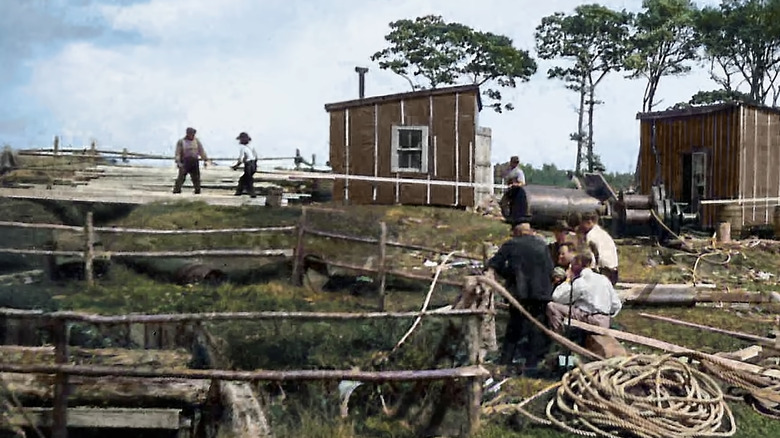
715, 158
418, 148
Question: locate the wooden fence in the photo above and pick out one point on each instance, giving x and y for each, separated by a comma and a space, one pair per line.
301, 230
59, 325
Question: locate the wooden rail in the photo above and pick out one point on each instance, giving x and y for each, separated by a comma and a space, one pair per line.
59, 324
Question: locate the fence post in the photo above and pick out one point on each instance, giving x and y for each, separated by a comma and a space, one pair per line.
61, 337
89, 250
381, 275
56, 145
474, 339
297, 270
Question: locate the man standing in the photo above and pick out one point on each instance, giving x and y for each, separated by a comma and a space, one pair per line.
248, 158
589, 296
189, 151
602, 245
525, 265
514, 205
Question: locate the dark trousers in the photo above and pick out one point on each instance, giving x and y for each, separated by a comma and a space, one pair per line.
191, 167
612, 274
247, 182
518, 327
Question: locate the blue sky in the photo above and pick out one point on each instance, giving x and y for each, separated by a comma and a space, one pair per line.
136, 73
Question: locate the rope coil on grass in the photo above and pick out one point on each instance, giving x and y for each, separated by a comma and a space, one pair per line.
645, 395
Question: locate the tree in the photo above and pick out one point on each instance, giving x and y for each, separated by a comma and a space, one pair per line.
430, 50
594, 39
663, 44
741, 38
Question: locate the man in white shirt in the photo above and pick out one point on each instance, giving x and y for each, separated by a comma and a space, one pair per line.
515, 175
600, 242
590, 296
248, 158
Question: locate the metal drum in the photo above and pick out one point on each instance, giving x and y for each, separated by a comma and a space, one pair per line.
547, 204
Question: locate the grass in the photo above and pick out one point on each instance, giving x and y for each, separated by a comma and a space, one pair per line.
312, 409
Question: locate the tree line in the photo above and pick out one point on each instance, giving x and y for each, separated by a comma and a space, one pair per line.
737, 41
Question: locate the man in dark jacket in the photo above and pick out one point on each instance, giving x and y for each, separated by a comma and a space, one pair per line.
524, 262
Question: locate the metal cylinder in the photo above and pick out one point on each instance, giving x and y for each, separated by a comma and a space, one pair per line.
637, 201
547, 204
638, 216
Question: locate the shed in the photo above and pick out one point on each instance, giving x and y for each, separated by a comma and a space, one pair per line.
417, 148
713, 156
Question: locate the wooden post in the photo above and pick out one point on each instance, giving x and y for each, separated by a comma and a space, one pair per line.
297, 270
381, 275
89, 250
474, 339
61, 337
124, 155
56, 145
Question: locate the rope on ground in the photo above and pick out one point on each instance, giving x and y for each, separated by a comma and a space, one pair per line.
647, 396
760, 392
705, 257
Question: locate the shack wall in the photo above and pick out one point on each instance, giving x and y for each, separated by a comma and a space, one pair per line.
717, 134
361, 145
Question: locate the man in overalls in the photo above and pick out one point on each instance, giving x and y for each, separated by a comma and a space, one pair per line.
189, 152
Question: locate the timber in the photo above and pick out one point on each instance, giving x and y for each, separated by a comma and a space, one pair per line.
760, 340
225, 316
391, 272
673, 348
250, 376
123, 418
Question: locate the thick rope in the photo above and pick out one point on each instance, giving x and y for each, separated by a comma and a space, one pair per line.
644, 395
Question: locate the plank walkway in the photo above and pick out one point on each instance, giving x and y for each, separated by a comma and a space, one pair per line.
124, 184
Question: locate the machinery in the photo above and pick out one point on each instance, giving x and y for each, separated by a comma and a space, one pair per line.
627, 213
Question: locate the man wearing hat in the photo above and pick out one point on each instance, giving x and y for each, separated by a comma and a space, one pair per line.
524, 263
189, 152
514, 205
248, 158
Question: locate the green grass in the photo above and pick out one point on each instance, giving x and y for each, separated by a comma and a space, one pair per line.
312, 409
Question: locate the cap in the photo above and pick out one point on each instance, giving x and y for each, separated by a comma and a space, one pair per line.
243, 135
191, 130
558, 272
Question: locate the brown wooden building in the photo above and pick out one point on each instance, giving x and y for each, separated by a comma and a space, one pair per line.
714, 154
418, 148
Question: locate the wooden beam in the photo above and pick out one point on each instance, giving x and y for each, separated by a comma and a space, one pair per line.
225, 316
673, 348
760, 340
98, 418
250, 376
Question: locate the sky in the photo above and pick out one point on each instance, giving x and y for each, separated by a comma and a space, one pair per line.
135, 73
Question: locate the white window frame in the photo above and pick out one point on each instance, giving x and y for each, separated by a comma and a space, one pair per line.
394, 167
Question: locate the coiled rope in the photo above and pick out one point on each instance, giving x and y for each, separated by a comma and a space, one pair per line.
645, 395
761, 392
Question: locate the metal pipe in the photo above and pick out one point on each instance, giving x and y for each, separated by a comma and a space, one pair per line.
361, 71
547, 204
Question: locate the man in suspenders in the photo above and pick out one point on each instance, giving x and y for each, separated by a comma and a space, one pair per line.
189, 152
247, 158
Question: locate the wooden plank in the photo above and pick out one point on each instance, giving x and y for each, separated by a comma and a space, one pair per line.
760, 340
222, 316
100, 418
673, 348
250, 376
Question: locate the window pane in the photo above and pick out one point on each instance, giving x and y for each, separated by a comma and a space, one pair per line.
410, 138
410, 160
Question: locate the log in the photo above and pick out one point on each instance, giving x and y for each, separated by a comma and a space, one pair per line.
112, 418
249, 376
760, 340
225, 316
201, 253
673, 348
120, 230
391, 272
685, 295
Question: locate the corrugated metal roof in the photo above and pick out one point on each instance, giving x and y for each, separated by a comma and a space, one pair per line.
404, 96
699, 110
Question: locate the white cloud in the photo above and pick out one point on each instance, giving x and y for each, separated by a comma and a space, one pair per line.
269, 67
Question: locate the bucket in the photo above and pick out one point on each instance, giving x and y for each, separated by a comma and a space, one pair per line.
732, 213
776, 221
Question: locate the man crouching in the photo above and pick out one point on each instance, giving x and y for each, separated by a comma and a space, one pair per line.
589, 296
